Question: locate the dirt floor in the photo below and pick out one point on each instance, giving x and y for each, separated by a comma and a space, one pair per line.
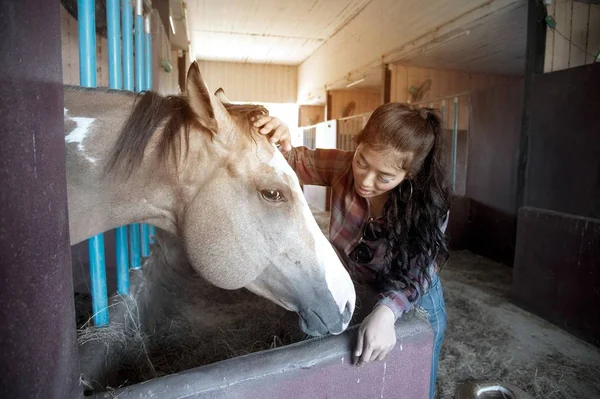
489, 338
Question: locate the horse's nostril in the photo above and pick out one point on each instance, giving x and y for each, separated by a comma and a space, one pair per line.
347, 315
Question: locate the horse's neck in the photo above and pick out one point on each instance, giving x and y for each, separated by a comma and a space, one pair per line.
99, 202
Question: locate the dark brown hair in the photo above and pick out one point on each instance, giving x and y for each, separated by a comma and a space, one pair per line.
174, 114
416, 209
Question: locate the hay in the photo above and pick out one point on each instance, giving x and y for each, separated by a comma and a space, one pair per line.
188, 323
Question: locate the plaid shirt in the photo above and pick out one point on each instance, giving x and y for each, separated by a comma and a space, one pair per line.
349, 213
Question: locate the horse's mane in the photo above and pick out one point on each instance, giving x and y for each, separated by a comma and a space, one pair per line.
174, 113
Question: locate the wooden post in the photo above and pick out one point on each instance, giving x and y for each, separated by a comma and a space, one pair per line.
534, 64
386, 78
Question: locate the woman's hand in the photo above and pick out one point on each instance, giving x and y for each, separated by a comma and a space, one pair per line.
376, 336
278, 131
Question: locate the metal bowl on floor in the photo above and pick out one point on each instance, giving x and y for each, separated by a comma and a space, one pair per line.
489, 390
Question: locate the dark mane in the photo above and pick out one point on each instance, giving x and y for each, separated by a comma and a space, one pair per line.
176, 117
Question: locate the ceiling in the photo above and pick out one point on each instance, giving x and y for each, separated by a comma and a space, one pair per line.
266, 31
353, 37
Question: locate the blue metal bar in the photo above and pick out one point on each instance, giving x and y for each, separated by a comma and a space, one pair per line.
127, 21
145, 240
113, 25
87, 42
134, 244
148, 53
454, 142
152, 234
139, 47
115, 73
87, 77
122, 260
98, 278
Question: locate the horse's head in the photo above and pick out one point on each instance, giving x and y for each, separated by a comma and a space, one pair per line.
245, 221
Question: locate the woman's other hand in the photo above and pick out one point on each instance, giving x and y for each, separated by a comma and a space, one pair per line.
376, 336
277, 130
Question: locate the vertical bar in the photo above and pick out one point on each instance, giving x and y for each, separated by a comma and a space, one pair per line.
114, 44
87, 77
98, 279
148, 53
134, 244
145, 237
454, 142
444, 113
115, 81
148, 238
139, 46
122, 260
127, 21
152, 234
87, 42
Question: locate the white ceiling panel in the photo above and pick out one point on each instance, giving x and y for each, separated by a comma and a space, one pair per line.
268, 31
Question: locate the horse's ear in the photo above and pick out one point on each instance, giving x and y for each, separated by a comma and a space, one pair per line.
220, 93
199, 98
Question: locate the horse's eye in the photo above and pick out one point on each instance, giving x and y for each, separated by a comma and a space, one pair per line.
272, 195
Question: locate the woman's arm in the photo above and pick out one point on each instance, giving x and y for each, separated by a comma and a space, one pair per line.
377, 334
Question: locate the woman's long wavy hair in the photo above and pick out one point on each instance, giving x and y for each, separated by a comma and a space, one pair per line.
413, 221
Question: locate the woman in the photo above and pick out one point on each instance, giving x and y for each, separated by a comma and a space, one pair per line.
389, 211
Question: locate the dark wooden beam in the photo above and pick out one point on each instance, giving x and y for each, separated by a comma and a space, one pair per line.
534, 64
386, 78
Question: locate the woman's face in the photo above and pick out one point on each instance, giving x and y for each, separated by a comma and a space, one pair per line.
376, 172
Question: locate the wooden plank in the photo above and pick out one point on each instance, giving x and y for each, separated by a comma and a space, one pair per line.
464, 82
562, 35
435, 84
424, 74
593, 35
402, 84
579, 31
413, 81
393, 83
444, 83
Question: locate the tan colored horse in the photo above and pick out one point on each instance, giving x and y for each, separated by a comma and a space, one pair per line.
197, 168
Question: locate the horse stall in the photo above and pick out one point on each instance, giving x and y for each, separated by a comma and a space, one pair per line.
166, 332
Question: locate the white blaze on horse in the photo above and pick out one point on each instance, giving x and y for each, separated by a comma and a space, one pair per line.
197, 168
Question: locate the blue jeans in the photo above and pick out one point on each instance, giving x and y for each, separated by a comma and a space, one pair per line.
435, 306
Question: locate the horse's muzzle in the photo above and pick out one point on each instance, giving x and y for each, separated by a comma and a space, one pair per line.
323, 321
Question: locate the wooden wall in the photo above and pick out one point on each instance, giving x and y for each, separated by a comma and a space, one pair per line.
365, 101
575, 41
311, 115
252, 82
491, 184
444, 83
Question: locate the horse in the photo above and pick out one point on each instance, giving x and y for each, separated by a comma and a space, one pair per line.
197, 168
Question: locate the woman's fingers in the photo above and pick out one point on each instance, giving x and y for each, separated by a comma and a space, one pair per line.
382, 354
359, 343
281, 135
